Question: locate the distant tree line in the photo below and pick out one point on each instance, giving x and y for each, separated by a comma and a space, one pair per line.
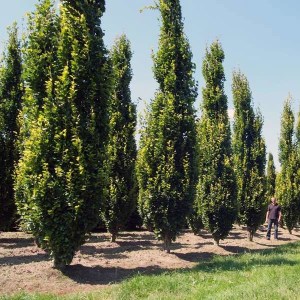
68, 153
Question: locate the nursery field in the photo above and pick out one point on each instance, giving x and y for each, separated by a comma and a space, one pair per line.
125, 269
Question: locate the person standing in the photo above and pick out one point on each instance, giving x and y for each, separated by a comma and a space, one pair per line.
273, 216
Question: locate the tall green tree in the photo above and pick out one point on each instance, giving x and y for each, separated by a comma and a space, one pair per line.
39, 61
122, 192
166, 159
249, 156
298, 162
286, 184
11, 91
270, 177
40, 49
61, 173
216, 186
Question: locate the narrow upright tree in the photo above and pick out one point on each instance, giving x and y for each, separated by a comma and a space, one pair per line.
39, 50
122, 193
11, 91
270, 178
216, 186
61, 173
39, 62
298, 162
166, 159
249, 156
286, 184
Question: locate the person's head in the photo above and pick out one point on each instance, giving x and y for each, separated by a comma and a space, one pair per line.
273, 200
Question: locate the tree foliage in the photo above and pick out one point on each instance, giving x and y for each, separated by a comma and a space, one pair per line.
11, 91
38, 64
60, 179
166, 160
297, 169
249, 156
121, 153
287, 189
216, 186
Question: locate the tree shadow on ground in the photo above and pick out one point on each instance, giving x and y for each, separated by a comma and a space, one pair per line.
200, 245
194, 256
285, 239
96, 239
24, 259
235, 236
142, 236
117, 248
12, 243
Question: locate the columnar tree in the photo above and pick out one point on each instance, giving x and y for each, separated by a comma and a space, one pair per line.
39, 57
166, 159
249, 156
39, 50
61, 173
11, 91
121, 153
286, 184
298, 162
216, 187
270, 177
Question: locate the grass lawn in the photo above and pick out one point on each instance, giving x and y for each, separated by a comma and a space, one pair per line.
269, 274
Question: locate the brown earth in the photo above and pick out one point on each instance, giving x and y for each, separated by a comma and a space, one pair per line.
98, 263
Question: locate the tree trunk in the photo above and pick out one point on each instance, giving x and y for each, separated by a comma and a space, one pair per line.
113, 237
167, 244
250, 234
58, 264
216, 242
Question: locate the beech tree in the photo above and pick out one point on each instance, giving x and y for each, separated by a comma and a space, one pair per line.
216, 187
61, 176
39, 50
166, 165
298, 162
270, 178
11, 91
286, 184
249, 156
122, 192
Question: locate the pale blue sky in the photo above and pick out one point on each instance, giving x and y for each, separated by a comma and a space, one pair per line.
260, 37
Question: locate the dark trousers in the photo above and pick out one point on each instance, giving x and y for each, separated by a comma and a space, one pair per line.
270, 223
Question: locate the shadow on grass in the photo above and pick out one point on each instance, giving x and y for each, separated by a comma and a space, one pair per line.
98, 275
234, 264
236, 249
267, 257
210, 263
194, 256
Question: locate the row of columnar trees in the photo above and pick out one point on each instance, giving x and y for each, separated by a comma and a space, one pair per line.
66, 107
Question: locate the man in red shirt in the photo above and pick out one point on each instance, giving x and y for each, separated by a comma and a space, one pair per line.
273, 217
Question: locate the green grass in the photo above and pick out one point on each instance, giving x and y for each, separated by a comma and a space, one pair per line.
270, 274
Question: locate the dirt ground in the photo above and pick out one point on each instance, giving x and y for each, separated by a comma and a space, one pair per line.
98, 263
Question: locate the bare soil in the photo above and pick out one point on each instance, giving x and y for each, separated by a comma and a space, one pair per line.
98, 263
